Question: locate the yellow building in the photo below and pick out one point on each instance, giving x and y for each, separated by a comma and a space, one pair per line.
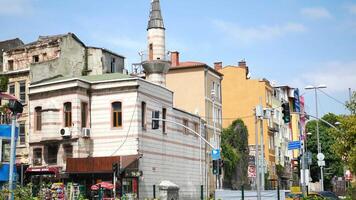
192, 84
240, 96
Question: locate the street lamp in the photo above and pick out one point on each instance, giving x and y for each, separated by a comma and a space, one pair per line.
315, 88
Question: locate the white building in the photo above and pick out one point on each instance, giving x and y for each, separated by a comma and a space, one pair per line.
107, 118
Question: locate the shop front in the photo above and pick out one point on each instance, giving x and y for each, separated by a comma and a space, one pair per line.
93, 172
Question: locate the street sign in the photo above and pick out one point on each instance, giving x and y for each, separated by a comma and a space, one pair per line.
251, 172
215, 154
294, 145
321, 163
348, 175
320, 156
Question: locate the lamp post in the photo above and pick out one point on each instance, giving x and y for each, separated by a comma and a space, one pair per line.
315, 88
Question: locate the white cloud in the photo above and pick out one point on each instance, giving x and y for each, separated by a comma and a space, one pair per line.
352, 9
338, 76
259, 33
15, 7
316, 13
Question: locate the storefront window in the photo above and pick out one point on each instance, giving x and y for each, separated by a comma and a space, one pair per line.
130, 187
5, 151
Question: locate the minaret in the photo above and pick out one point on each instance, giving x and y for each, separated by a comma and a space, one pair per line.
156, 66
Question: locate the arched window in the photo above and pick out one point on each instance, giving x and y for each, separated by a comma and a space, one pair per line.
116, 108
68, 114
38, 118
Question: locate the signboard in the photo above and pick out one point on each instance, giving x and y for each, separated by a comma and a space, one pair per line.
296, 100
251, 160
251, 171
294, 145
215, 154
348, 175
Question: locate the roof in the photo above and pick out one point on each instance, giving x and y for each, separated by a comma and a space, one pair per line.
155, 20
193, 64
48, 39
90, 79
9, 44
106, 50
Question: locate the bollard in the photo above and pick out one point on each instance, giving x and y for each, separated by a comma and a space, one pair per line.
154, 191
278, 197
201, 192
242, 192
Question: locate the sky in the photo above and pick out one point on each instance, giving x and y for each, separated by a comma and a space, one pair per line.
289, 42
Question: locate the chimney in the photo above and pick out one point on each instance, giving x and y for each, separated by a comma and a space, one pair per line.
217, 66
242, 63
175, 58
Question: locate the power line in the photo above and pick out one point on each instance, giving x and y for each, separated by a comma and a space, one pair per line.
332, 97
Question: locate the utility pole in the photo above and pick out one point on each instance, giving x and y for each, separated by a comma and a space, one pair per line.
16, 108
216, 138
12, 157
262, 161
257, 164
315, 88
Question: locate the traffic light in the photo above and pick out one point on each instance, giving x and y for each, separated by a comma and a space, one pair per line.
218, 164
221, 166
215, 166
155, 122
296, 165
116, 169
286, 112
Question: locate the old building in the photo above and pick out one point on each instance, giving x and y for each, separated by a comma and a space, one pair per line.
240, 98
7, 45
107, 118
197, 89
47, 58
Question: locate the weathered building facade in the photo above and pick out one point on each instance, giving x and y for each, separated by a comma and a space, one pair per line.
47, 58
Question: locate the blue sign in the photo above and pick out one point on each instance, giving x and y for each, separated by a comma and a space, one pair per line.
5, 142
215, 154
296, 100
294, 145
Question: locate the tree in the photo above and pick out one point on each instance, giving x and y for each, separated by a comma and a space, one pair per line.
351, 105
326, 137
234, 143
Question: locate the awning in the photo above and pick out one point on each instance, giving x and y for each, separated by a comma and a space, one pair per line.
42, 170
100, 164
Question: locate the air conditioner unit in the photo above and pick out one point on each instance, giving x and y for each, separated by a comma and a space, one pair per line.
65, 132
86, 132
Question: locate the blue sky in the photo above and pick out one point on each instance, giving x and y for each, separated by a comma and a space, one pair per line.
293, 42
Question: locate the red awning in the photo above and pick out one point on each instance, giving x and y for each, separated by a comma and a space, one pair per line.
42, 170
6, 96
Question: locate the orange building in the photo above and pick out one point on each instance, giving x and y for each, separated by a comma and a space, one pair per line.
240, 96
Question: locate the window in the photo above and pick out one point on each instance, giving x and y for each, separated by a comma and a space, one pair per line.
38, 118
5, 150
37, 156
10, 65
116, 108
23, 92
35, 58
164, 116
185, 123
150, 52
84, 113
12, 89
68, 152
52, 154
68, 114
22, 134
143, 115
271, 142
196, 128
112, 64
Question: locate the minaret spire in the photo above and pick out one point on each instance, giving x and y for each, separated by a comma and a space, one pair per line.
156, 66
156, 20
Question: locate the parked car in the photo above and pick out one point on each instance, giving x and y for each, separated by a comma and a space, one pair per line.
329, 195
